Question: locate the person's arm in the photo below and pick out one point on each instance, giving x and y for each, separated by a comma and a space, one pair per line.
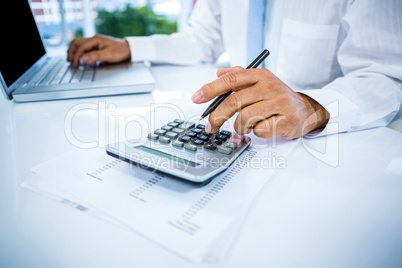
266, 105
98, 48
200, 42
369, 94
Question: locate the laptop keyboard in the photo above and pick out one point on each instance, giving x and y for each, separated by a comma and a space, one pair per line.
59, 71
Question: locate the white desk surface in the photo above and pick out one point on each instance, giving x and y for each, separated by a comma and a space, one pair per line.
309, 215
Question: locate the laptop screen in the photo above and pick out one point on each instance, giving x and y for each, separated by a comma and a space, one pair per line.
21, 44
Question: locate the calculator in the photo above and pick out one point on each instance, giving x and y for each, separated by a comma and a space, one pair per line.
184, 149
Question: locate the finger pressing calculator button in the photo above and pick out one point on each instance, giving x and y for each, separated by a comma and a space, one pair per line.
153, 137
225, 150
171, 135
190, 147
178, 130
197, 141
179, 121
184, 138
160, 132
164, 139
179, 144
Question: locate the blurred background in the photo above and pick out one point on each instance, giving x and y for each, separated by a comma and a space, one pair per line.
60, 21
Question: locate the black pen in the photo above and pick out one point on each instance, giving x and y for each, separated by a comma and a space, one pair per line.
221, 98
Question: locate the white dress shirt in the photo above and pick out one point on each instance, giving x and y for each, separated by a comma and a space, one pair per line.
345, 54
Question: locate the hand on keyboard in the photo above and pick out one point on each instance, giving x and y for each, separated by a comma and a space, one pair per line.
98, 48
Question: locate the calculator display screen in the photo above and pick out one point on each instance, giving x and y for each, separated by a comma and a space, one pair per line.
168, 156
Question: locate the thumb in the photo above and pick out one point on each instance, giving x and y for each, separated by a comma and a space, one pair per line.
222, 71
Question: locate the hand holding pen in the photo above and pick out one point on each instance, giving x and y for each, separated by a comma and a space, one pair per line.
266, 105
221, 98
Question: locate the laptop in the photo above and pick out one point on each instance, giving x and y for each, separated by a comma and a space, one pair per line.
27, 73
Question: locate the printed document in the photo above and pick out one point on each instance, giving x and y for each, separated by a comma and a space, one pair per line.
188, 219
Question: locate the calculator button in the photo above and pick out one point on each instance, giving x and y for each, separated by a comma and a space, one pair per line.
152, 137
197, 141
197, 130
237, 139
207, 134
173, 124
178, 130
231, 145
200, 126
225, 150
160, 132
191, 134
217, 142
221, 137
210, 146
203, 137
187, 125
167, 128
171, 135
178, 121
184, 138
164, 140
226, 133
190, 147
179, 144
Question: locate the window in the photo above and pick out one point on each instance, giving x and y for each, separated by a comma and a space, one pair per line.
113, 17
58, 28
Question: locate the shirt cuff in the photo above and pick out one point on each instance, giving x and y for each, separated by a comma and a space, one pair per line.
341, 109
141, 48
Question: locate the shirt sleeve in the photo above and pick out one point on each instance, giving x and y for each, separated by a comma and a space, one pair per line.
200, 42
369, 93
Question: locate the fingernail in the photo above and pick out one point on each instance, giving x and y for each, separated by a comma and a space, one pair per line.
248, 131
208, 128
86, 58
197, 96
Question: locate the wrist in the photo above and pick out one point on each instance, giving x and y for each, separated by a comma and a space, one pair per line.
127, 49
317, 115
